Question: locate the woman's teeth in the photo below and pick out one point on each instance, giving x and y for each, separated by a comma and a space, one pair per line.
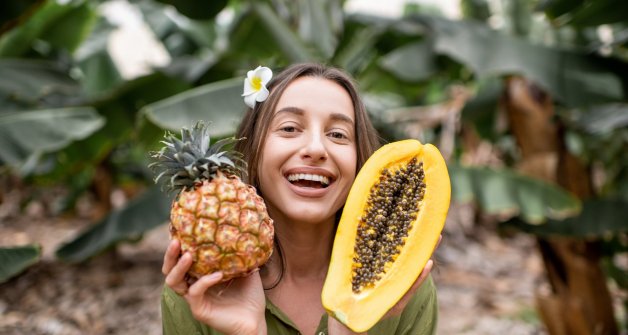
310, 177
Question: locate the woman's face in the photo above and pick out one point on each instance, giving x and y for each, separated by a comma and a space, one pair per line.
309, 156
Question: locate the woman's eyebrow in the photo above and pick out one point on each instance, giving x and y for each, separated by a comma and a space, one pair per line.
342, 118
300, 112
291, 110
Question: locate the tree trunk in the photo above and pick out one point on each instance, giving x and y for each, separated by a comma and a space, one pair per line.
579, 301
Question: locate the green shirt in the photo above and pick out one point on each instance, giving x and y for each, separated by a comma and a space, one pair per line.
419, 317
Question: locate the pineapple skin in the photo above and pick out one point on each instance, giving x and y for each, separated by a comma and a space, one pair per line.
224, 224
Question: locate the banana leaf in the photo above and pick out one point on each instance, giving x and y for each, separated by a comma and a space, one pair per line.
197, 10
598, 12
357, 48
508, 194
574, 78
100, 75
175, 30
10, 11
220, 103
602, 119
26, 135
141, 214
557, 8
14, 260
28, 84
293, 48
316, 25
50, 14
599, 218
412, 62
70, 30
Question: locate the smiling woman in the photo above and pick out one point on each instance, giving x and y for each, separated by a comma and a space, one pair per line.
311, 132
304, 144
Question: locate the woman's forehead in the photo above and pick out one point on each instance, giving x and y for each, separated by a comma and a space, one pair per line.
316, 94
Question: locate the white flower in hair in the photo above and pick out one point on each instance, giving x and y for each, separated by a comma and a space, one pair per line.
255, 85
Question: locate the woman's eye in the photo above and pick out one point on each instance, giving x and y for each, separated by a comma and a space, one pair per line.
288, 129
337, 135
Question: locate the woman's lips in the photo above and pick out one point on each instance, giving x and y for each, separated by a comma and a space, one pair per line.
309, 192
296, 176
316, 180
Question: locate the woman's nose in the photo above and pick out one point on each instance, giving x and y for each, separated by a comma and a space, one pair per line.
315, 149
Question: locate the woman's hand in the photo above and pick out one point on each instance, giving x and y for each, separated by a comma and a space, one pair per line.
401, 304
337, 328
234, 307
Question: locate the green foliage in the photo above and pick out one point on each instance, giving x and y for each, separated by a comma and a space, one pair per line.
289, 43
586, 12
66, 110
507, 194
149, 210
98, 74
26, 135
22, 38
476, 9
35, 84
220, 102
70, 29
197, 10
412, 62
480, 110
575, 78
10, 11
602, 119
599, 218
14, 260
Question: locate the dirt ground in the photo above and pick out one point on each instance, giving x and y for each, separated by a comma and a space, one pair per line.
486, 283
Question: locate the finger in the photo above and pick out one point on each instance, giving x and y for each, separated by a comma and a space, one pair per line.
417, 283
171, 256
198, 289
440, 238
176, 277
426, 272
401, 304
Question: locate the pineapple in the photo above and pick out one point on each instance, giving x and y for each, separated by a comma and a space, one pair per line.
216, 217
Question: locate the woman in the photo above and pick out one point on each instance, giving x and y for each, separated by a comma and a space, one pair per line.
312, 123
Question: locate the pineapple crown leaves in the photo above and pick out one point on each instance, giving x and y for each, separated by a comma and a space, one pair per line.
182, 163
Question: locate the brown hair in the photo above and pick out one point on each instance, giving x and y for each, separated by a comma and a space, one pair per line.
256, 121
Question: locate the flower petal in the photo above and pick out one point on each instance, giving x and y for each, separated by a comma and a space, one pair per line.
248, 87
249, 100
262, 94
264, 73
250, 74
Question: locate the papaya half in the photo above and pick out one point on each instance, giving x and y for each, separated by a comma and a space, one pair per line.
390, 225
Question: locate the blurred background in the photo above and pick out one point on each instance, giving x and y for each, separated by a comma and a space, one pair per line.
527, 100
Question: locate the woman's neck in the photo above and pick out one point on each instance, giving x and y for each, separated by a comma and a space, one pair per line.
306, 248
